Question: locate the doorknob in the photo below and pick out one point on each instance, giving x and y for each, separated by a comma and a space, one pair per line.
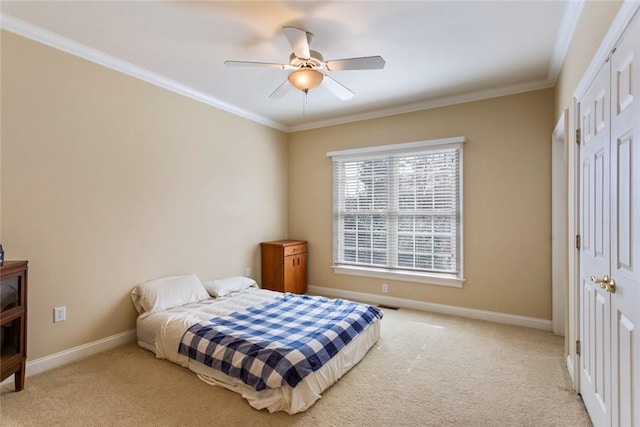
605, 283
600, 282
610, 286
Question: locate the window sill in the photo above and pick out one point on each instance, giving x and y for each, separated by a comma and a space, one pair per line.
406, 276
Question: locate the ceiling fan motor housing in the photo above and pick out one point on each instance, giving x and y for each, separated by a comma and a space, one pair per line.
316, 60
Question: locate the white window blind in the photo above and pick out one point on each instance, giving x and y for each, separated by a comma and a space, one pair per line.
399, 208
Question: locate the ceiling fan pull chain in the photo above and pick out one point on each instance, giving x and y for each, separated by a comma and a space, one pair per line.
304, 103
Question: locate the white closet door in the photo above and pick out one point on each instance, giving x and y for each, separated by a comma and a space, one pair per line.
595, 361
625, 229
610, 232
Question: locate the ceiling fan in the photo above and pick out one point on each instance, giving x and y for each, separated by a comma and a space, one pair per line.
310, 68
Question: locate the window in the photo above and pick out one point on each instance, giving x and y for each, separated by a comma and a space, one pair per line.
398, 211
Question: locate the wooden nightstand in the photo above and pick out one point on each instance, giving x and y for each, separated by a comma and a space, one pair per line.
284, 266
13, 321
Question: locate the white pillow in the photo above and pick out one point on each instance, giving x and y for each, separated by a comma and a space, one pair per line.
222, 287
167, 292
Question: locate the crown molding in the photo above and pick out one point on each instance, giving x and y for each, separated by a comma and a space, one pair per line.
570, 19
33, 32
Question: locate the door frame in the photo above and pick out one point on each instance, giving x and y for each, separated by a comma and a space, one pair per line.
621, 22
559, 223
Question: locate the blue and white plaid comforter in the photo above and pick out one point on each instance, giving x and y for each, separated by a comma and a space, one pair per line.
280, 342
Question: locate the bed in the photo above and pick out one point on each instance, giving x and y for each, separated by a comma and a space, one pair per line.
172, 309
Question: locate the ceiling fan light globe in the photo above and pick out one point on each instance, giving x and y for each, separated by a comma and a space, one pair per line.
305, 79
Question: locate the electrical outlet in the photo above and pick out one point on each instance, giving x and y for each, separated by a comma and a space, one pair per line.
248, 272
385, 288
59, 314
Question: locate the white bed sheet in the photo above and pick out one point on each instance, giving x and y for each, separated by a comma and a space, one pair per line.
162, 332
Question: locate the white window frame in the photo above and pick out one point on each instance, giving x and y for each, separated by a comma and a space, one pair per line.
403, 275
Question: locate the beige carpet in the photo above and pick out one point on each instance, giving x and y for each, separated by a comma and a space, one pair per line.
426, 370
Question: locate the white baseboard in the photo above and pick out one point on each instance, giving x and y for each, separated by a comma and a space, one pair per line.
570, 367
74, 354
491, 316
571, 371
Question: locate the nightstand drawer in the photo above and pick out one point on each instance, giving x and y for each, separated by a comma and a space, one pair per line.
295, 249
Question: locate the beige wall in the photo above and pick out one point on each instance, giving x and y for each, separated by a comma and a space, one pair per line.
108, 181
507, 200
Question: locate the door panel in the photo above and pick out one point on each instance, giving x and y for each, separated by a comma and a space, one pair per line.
600, 208
623, 399
595, 330
601, 350
290, 273
625, 196
301, 274
625, 229
587, 305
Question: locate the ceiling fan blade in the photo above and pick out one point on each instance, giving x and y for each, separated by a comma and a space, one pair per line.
299, 41
282, 90
258, 64
363, 63
337, 88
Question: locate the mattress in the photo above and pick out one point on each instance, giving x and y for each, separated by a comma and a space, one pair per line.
161, 333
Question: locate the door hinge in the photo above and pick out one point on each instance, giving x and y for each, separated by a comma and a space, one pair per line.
578, 134
577, 241
578, 347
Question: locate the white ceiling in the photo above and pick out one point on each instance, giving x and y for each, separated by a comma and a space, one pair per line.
436, 52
